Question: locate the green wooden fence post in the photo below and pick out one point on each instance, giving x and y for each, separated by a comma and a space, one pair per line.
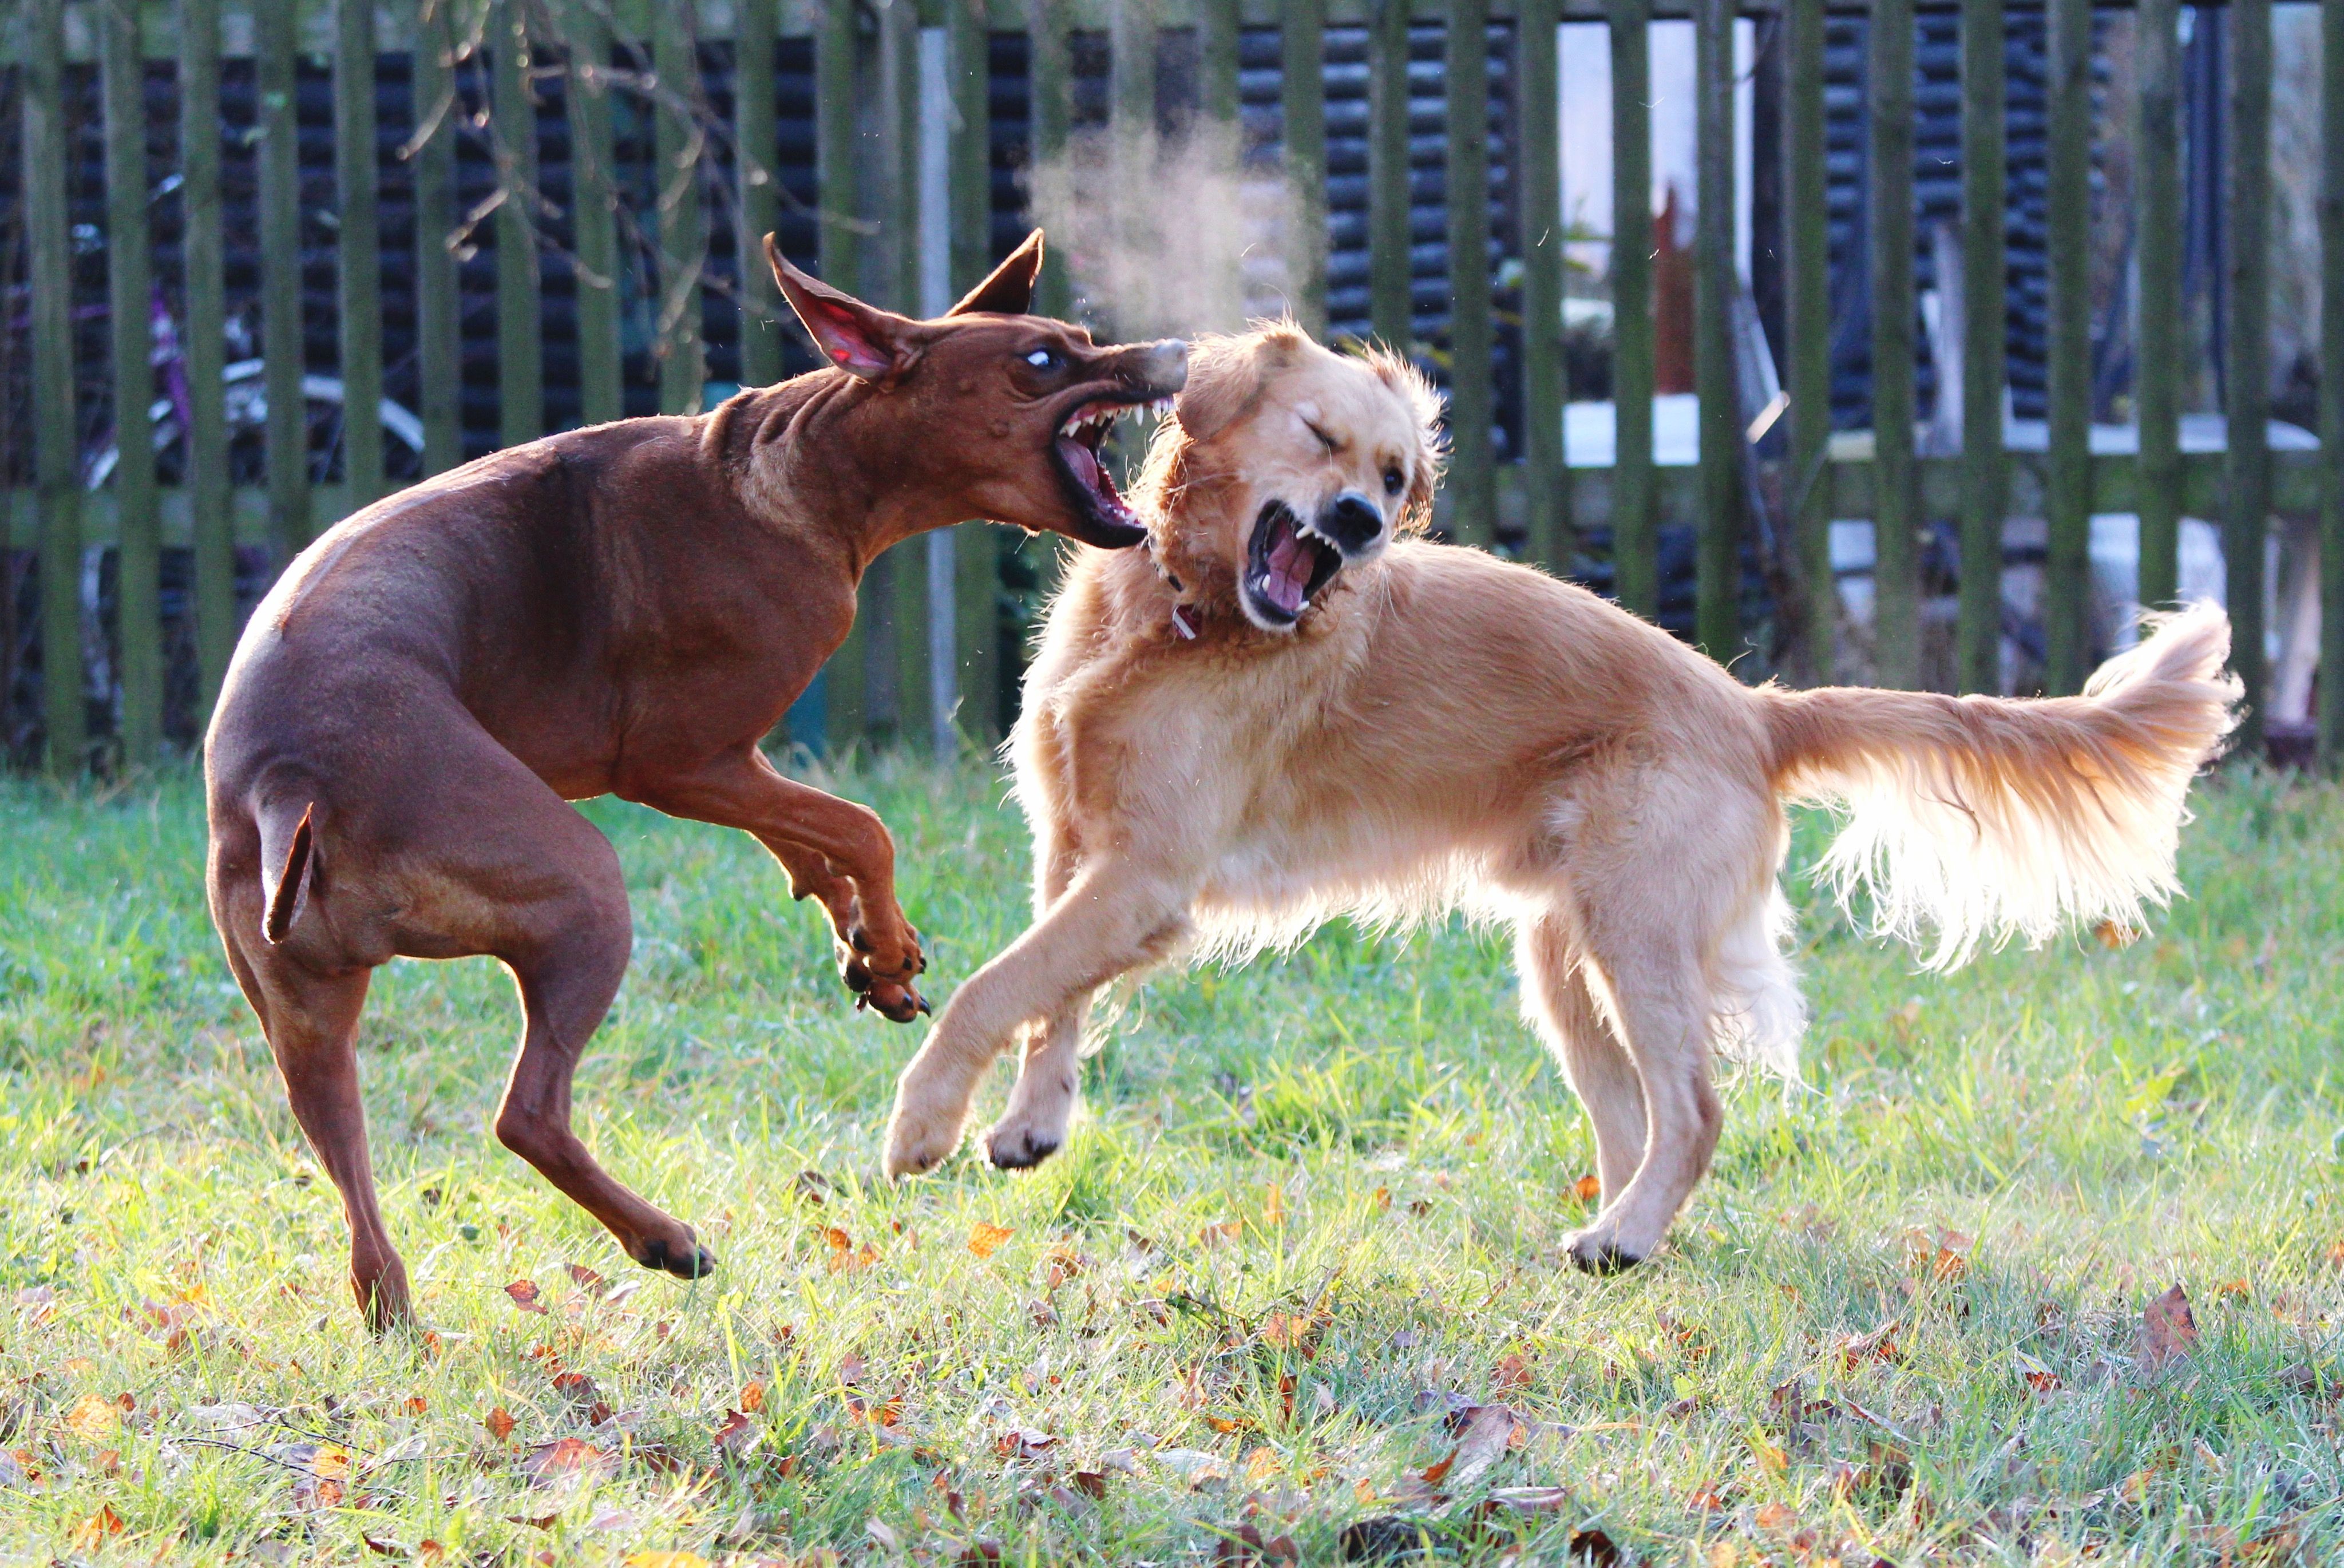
1635, 497
1131, 89
682, 220
2157, 390
1051, 112
2331, 385
837, 50
1718, 566
971, 569
129, 270
1978, 657
2068, 472
206, 345
900, 683
1808, 324
1391, 264
2246, 522
1472, 490
594, 207
362, 249
288, 445
756, 145
1303, 113
1216, 45
1050, 75
521, 353
1545, 474
65, 718
438, 344
1896, 586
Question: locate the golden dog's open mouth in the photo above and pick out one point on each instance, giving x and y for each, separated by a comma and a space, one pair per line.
1288, 561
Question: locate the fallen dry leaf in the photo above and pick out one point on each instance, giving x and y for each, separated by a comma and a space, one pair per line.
500, 1422
737, 1435
93, 1419
985, 1238
1511, 1374
1879, 1345
1215, 1234
1941, 1254
2167, 1331
586, 1280
752, 1397
550, 1463
524, 1295
92, 1532
1587, 1188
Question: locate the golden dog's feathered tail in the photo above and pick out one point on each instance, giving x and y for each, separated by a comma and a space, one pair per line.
1984, 816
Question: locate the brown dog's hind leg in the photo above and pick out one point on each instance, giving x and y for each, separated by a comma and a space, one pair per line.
1600, 1072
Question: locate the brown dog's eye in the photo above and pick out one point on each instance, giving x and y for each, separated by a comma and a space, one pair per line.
1043, 359
1392, 481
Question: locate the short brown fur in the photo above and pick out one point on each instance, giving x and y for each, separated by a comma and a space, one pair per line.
625, 609
1443, 730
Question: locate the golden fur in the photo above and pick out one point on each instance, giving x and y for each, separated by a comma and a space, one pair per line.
1442, 730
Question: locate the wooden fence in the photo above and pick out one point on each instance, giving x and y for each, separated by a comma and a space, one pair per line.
1752, 493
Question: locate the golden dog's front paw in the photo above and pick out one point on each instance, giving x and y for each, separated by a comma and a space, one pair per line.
919, 1138
1597, 1251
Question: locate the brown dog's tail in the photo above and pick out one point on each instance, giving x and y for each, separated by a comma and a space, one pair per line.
289, 864
1985, 816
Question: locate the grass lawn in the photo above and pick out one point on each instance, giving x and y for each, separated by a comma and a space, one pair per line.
1304, 1239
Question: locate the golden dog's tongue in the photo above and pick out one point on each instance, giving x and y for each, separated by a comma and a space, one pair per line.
1289, 572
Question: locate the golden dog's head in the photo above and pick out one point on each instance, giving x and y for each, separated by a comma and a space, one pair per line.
1286, 466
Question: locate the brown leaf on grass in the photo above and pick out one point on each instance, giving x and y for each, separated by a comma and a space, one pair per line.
1216, 1235
1288, 1331
1273, 1205
1091, 1483
1023, 1442
1882, 1344
1486, 1430
843, 1263
586, 1280
1511, 1374
2167, 1331
752, 1397
1380, 1197
575, 1386
2113, 935
1777, 1516
39, 1303
851, 1367
552, 1464
737, 1435
524, 1295
1246, 1548
1938, 1253
91, 1533
811, 1187
500, 1422
93, 1418
416, 1404
2234, 1290
1588, 1188
985, 1238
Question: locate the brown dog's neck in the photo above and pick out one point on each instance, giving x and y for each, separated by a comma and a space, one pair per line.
807, 454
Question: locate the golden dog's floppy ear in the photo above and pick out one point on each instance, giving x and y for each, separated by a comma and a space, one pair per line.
1226, 376
1009, 290
1432, 456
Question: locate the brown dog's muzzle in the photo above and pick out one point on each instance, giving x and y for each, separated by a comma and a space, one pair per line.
1121, 379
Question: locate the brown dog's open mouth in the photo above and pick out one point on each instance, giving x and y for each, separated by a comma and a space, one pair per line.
1286, 563
1081, 468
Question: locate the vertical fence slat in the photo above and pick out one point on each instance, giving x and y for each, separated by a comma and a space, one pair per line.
1635, 500
1544, 474
1718, 566
1131, 85
899, 679
48, 157
280, 283
2067, 471
2157, 346
1807, 310
972, 567
1389, 264
594, 212
438, 332
521, 352
2245, 521
130, 269
1979, 652
204, 254
1471, 488
1050, 75
1217, 86
2331, 384
1302, 101
756, 144
836, 49
360, 248
1896, 588
682, 222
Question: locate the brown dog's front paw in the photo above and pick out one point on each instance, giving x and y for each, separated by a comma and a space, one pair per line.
882, 980
899, 1004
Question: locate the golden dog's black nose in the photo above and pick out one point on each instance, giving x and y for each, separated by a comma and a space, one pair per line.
1352, 521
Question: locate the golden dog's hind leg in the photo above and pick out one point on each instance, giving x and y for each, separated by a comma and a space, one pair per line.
1663, 1008
1558, 1004
1114, 918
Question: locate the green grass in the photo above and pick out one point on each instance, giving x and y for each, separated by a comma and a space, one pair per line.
1364, 1128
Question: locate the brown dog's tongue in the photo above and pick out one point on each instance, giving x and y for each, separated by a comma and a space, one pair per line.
1083, 462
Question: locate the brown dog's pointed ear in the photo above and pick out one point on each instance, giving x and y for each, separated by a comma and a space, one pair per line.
860, 339
1009, 291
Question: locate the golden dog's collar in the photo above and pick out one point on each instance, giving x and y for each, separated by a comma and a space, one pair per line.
1184, 621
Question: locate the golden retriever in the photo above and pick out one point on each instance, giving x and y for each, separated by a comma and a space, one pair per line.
1287, 709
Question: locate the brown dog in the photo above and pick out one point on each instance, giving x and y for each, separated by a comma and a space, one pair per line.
1280, 714
625, 609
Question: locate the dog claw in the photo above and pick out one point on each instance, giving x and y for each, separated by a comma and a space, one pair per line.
694, 1262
